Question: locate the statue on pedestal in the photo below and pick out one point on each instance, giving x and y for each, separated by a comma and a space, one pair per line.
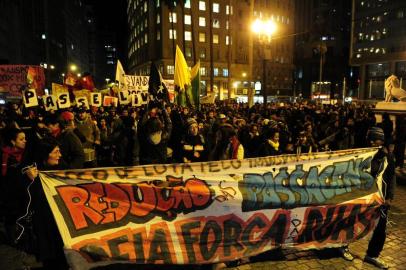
393, 90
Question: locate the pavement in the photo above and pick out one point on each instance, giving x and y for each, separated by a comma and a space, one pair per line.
394, 252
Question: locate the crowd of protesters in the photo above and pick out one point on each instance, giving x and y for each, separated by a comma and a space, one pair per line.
165, 133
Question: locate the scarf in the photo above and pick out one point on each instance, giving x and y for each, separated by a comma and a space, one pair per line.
56, 132
8, 151
274, 145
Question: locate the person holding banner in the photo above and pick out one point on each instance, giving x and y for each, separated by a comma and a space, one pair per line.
49, 244
376, 138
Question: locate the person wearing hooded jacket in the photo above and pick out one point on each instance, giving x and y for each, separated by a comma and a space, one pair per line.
154, 136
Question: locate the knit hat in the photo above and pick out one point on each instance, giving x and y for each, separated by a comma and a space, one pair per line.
375, 133
190, 121
67, 116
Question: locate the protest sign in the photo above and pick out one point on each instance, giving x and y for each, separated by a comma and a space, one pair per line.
63, 100
139, 83
50, 102
14, 79
96, 99
197, 213
110, 101
82, 102
30, 98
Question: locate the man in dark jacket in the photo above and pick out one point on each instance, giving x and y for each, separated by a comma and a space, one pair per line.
376, 138
61, 128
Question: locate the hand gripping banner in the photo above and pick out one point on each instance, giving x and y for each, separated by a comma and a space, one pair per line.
200, 213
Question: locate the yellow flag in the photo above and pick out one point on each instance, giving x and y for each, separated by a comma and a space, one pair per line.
182, 75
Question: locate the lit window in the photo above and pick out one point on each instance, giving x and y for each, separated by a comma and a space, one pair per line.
216, 7
227, 23
216, 71
157, 3
202, 21
170, 69
202, 56
172, 16
158, 35
216, 23
146, 38
158, 19
203, 71
227, 40
227, 9
43, 36
172, 34
215, 39
187, 4
202, 5
225, 72
188, 35
145, 6
202, 37
188, 52
358, 55
188, 19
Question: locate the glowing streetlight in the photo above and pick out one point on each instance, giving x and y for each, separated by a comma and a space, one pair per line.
107, 80
52, 66
264, 29
79, 75
73, 67
244, 74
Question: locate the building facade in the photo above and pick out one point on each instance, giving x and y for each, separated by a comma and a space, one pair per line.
378, 46
322, 41
52, 34
218, 33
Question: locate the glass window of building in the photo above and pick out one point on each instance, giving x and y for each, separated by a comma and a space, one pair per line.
158, 3
202, 21
187, 4
158, 35
216, 71
227, 9
216, 23
202, 54
172, 34
146, 38
216, 7
202, 5
145, 6
225, 72
203, 71
158, 19
188, 52
227, 24
170, 69
188, 35
188, 19
172, 16
202, 37
215, 39
227, 40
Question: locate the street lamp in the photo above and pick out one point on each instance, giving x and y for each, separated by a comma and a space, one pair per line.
73, 67
264, 29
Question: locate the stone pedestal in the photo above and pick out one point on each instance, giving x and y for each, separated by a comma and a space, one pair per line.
394, 109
